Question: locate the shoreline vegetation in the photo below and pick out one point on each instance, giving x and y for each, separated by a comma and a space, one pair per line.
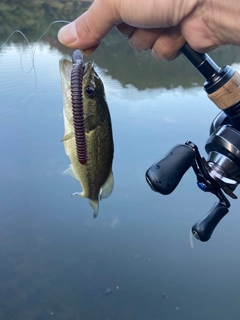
34, 17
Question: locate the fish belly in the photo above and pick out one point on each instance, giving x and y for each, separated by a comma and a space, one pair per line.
95, 172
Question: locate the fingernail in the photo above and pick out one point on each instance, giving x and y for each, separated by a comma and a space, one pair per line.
67, 34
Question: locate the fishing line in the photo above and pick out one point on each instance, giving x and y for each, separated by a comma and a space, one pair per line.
32, 50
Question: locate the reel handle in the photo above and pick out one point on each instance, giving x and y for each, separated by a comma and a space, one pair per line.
164, 175
203, 229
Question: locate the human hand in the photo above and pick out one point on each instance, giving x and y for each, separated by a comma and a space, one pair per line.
157, 25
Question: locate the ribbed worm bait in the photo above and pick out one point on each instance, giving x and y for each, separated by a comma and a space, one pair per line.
77, 106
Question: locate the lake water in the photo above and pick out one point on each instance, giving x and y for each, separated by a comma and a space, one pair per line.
56, 261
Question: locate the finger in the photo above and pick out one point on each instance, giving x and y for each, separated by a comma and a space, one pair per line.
144, 39
125, 30
91, 27
90, 50
168, 44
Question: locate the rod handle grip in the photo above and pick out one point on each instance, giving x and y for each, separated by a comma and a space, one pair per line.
229, 94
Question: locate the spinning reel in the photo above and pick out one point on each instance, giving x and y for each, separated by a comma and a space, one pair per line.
220, 173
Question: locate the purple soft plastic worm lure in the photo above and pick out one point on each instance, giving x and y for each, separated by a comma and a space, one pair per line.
77, 106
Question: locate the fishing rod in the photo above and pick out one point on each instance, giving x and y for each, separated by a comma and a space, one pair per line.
220, 173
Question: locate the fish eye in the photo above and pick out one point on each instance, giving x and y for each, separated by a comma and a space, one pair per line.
90, 91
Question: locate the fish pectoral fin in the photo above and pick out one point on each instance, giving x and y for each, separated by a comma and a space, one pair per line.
70, 172
107, 188
68, 136
90, 122
94, 205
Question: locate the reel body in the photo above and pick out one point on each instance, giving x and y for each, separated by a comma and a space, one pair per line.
219, 174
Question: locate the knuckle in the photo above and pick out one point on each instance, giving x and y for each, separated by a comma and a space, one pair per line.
166, 47
162, 53
136, 43
143, 40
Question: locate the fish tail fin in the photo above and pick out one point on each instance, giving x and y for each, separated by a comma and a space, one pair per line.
94, 205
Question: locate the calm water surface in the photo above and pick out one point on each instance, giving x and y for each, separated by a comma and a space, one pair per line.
56, 261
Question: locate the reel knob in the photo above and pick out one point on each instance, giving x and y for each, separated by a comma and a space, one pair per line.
203, 229
164, 175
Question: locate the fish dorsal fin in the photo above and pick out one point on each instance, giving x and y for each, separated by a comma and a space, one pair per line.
107, 188
68, 137
70, 172
94, 205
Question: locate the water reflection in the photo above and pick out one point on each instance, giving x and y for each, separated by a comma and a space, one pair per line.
55, 260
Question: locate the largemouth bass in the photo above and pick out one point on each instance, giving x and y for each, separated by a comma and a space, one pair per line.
88, 139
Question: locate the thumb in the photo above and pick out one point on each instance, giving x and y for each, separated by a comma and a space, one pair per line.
87, 31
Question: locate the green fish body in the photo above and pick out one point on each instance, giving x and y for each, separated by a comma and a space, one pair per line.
95, 176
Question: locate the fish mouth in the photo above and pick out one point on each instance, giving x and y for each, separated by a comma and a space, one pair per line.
65, 67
